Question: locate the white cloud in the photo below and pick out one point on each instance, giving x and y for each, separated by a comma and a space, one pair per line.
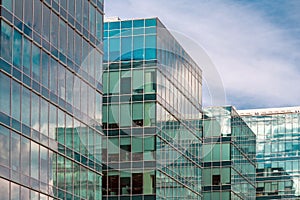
257, 59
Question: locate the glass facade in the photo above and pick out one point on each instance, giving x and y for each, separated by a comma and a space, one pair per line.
278, 151
228, 155
142, 134
50, 99
150, 118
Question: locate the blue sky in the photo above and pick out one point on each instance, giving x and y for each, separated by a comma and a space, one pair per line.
254, 45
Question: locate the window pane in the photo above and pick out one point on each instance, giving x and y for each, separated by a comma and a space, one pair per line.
206, 177
28, 7
137, 144
52, 121
104, 113
25, 107
138, 48
99, 26
63, 4
137, 111
61, 124
63, 36
150, 47
53, 76
113, 114
150, 22
125, 185
34, 160
113, 185
126, 82
26, 56
61, 81
15, 192
105, 79
44, 117
71, 7
15, 151
114, 49
85, 52
54, 30
19, 9
98, 108
36, 59
148, 182
44, 164
216, 180
149, 144
77, 49
91, 102
60, 173
85, 14
70, 42
149, 119
6, 41
4, 189
126, 24
7, 4
92, 19
84, 88
25, 155
24, 193
138, 23
113, 145
4, 94
79, 11
151, 30
45, 68
137, 183
105, 49
137, 81
69, 87
17, 49
68, 132
150, 82
98, 66
225, 151
216, 152
114, 82
35, 111
37, 26
16, 101
46, 22
4, 146
126, 48
125, 117
225, 175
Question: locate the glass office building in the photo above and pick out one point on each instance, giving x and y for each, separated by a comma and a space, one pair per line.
278, 151
151, 114
50, 99
228, 156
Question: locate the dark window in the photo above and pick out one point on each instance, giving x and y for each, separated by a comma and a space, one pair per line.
216, 179
125, 185
137, 183
104, 185
113, 185
125, 152
138, 122
113, 125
